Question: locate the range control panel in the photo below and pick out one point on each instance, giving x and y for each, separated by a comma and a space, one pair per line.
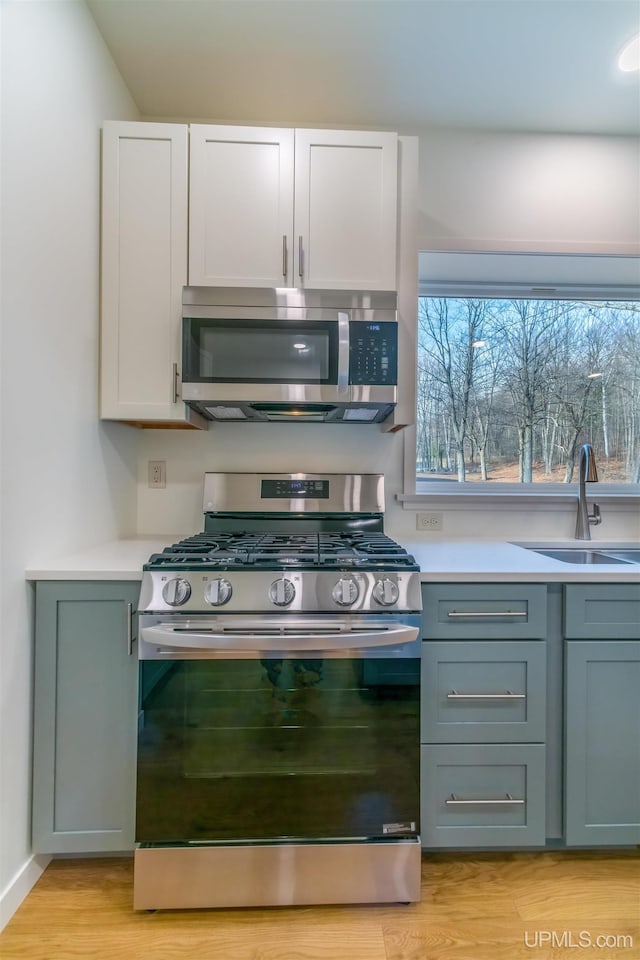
373, 353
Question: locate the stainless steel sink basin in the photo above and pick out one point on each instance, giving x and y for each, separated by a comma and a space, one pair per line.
571, 555
632, 555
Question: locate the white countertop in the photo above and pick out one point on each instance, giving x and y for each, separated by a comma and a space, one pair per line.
451, 561
115, 560
486, 561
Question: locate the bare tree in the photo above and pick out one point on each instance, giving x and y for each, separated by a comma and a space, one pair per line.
526, 329
452, 329
489, 369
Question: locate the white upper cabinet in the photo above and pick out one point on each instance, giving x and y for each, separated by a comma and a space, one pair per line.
276, 207
144, 267
346, 190
241, 206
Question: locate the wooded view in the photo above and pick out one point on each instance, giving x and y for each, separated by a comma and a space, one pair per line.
509, 390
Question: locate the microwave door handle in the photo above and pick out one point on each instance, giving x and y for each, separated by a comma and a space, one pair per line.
163, 635
343, 353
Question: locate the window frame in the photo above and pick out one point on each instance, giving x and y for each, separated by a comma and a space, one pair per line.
515, 496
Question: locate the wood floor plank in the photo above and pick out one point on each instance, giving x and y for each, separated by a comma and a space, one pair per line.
490, 940
475, 906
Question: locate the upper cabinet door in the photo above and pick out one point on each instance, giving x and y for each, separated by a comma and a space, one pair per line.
346, 190
241, 206
144, 267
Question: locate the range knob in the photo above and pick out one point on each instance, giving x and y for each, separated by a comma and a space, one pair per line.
345, 592
218, 591
282, 592
385, 592
176, 591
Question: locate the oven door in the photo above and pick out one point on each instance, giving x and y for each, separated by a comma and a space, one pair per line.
278, 729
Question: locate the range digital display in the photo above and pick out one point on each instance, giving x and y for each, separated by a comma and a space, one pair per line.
294, 489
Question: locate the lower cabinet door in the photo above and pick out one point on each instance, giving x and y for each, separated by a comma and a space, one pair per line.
602, 749
482, 795
85, 717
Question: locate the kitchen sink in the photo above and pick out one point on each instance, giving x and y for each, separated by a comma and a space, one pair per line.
632, 555
572, 555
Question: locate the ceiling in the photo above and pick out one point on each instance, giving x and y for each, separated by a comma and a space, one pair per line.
405, 65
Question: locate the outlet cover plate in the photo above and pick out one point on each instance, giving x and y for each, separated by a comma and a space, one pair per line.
157, 473
429, 521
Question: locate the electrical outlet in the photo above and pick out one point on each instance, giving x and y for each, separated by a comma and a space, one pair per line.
428, 521
157, 473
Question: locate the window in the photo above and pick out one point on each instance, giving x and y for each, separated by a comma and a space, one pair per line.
510, 386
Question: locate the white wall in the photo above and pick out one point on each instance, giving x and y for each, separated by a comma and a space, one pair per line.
291, 448
67, 480
531, 192
250, 448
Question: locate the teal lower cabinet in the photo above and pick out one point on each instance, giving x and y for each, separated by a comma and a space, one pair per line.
602, 742
530, 715
84, 745
483, 795
483, 763
483, 723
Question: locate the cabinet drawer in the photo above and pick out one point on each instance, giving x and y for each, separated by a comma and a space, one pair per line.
474, 692
484, 611
600, 611
489, 795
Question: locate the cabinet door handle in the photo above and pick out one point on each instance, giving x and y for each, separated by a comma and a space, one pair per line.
454, 801
300, 258
284, 256
129, 629
454, 695
174, 382
487, 613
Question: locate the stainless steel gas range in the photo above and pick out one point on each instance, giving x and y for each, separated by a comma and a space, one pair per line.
278, 752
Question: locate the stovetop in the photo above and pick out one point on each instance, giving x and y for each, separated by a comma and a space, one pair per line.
280, 543
246, 550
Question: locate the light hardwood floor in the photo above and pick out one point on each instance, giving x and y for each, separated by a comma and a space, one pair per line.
492, 906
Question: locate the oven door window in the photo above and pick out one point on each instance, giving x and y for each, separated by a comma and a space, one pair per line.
269, 750
261, 351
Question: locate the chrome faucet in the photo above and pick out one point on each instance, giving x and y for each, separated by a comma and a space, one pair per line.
587, 472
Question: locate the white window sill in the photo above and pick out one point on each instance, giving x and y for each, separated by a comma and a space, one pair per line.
511, 496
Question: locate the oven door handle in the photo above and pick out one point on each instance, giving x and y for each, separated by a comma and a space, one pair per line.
167, 635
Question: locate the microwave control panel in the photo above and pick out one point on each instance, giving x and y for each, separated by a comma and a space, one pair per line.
373, 353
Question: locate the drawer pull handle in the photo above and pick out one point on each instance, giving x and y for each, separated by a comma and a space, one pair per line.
454, 801
487, 613
454, 695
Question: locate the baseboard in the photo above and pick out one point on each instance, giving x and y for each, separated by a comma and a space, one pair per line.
18, 888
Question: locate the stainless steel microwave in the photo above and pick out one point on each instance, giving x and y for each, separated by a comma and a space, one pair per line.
290, 354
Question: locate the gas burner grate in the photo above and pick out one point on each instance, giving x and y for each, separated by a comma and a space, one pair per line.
274, 550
